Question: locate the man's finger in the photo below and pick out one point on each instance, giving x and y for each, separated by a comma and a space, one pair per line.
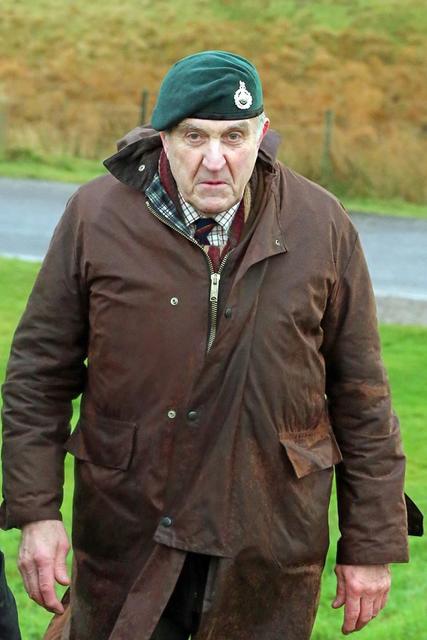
61, 574
28, 571
46, 580
23, 576
376, 608
43, 565
366, 611
31, 582
384, 599
351, 614
340, 595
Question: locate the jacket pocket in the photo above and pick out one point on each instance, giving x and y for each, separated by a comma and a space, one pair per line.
312, 450
103, 441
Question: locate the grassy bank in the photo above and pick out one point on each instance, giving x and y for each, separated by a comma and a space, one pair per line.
382, 207
71, 76
60, 169
405, 354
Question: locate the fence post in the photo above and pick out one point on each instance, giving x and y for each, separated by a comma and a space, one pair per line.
326, 165
2, 127
144, 105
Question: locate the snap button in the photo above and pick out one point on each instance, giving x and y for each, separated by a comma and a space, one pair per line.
174, 301
192, 416
141, 167
228, 312
166, 521
172, 414
277, 243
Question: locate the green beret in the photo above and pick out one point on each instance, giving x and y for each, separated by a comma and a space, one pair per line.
213, 85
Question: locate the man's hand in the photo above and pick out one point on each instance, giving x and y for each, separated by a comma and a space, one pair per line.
363, 590
42, 554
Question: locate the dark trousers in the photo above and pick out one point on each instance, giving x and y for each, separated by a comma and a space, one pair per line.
9, 628
181, 617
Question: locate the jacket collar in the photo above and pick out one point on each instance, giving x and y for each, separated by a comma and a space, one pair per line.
136, 163
136, 160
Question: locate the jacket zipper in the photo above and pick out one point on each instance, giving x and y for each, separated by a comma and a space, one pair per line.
215, 277
213, 299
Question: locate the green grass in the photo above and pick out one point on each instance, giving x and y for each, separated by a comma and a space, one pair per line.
61, 169
405, 355
392, 17
398, 208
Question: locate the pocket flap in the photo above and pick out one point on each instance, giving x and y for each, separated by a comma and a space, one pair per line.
103, 441
312, 450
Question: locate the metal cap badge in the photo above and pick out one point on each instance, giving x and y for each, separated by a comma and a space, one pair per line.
242, 97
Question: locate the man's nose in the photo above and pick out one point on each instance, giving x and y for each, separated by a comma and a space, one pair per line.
213, 157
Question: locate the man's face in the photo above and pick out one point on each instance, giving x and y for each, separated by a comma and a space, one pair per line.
212, 160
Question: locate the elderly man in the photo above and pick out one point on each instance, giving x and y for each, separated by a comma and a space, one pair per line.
215, 312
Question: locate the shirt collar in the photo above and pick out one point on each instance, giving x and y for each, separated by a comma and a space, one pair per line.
224, 219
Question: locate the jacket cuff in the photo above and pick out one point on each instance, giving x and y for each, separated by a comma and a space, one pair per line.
358, 554
17, 518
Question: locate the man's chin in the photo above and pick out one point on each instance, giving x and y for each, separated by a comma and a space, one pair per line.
213, 205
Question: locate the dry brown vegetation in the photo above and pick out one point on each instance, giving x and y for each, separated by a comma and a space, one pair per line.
71, 74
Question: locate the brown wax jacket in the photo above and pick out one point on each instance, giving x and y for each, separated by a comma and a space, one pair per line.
229, 453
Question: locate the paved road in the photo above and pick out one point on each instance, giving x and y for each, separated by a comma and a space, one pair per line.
396, 248
29, 211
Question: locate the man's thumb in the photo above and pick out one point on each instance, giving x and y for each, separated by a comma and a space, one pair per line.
61, 574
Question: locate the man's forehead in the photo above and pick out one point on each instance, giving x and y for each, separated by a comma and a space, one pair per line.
214, 126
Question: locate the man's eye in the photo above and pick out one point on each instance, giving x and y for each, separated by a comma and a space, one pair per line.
234, 136
193, 137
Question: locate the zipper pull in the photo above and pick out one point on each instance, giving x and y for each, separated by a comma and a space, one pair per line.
215, 277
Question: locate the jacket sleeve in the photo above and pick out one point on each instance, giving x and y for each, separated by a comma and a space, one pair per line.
46, 370
371, 505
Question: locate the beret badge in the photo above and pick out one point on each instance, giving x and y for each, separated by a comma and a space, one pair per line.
242, 97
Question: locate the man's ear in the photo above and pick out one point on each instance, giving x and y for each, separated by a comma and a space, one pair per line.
164, 139
264, 130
